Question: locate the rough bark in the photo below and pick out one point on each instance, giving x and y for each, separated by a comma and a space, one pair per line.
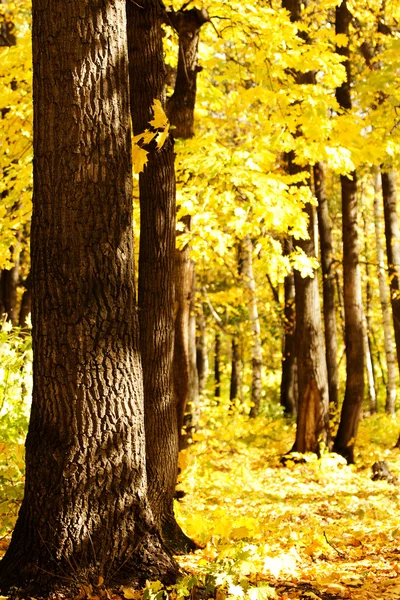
156, 268
85, 513
328, 284
180, 108
352, 297
385, 304
289, 389
392, 235
247, 274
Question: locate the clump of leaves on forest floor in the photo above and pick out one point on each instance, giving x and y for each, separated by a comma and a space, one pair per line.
317, 529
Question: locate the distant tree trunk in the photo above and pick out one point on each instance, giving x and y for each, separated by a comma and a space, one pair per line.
202, 352
235, 391
156, 269
85, 515
354, 394
386, 316
217, 365
367, 325
256, 350
289, 389
392, 234
328, 284
180, 107
8, 288
26, 303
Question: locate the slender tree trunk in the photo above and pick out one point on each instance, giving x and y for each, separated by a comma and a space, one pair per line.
367, 325
26, 303
8, 287
235, 391
392, 234
352, 298
328, 284
85, 514
156, 269
187, 24
217, 365
256, 349
289, 389
202, 352
386, 316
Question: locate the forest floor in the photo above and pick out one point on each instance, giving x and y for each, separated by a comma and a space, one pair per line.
320, 529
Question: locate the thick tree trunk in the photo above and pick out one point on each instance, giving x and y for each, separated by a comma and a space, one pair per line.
156, 269
352, 298
217, 365
85, 514
187, 24
386, 316
235, 391
328, 284
256, 349
392, 234
289, 388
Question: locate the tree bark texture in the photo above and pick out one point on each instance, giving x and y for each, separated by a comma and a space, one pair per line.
385, 304
85, 512
156, 268
392, 234
249, 282
180, 108
289, 388
352, 297
328, 284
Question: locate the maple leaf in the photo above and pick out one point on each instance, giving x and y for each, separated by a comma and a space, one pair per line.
160, 118
139, 158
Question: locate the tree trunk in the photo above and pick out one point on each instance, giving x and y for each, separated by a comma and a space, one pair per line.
8, 288
289, 389
85, 514
386, 316
352, 298
313, 403
187, 24
156, 269
235, 391
328, 284
202, 353
367, 325
217, 366
26, 303
256, 350
392, 234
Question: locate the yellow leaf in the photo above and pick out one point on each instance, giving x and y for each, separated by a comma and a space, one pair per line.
162, 136
131, 593
139, 158
160, 118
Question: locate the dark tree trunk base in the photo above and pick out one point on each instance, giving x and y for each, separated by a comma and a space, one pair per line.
20, 577
175, 539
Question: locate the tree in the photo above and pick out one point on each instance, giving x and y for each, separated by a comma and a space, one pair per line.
289, 388
156, 268
353, 311
85, 516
